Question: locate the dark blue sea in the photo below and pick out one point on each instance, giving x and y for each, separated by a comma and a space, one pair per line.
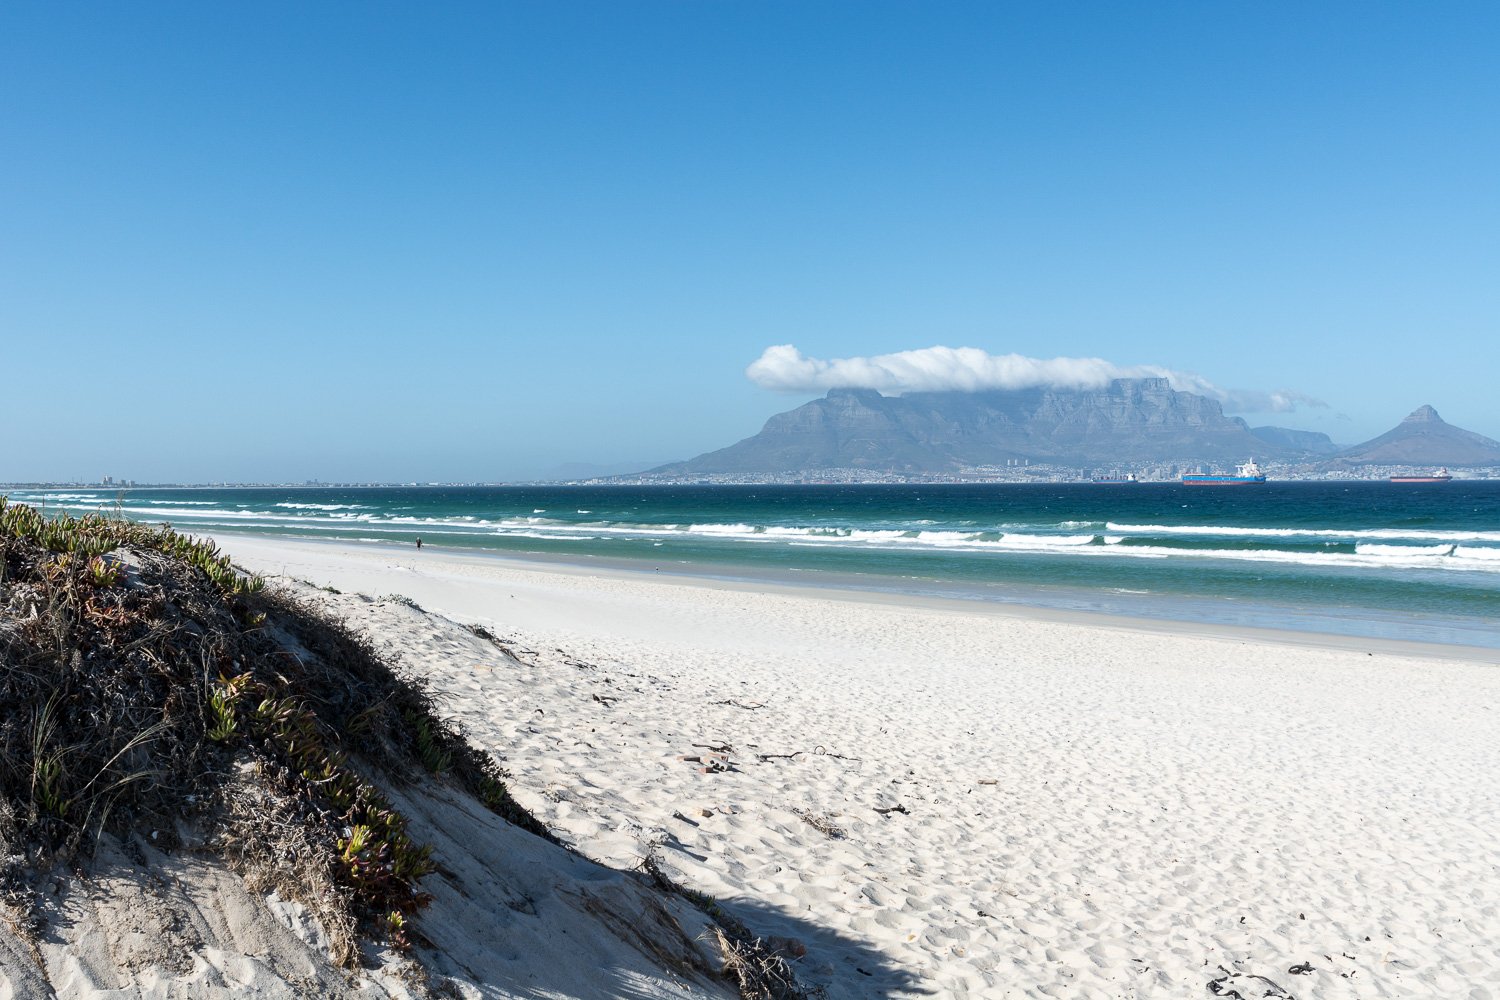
1417, 561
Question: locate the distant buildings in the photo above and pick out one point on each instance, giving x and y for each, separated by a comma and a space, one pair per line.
1146, 473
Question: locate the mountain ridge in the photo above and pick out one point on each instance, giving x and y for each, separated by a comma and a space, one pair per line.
1127, 421
1311, 441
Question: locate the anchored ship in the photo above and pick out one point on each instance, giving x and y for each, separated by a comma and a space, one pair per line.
1440, 476
1247, 473
1129, 478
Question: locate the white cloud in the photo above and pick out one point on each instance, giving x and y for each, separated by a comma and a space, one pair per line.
967, 369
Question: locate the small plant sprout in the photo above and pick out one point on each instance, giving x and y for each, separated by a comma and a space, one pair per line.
104, 573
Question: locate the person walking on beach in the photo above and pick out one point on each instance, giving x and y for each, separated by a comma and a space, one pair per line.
419, 545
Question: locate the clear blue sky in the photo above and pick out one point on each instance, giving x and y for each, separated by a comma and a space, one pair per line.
446, 241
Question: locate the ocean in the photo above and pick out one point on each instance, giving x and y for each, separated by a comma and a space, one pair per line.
1367, 558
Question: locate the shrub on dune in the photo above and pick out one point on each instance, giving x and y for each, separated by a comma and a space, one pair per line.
150, 689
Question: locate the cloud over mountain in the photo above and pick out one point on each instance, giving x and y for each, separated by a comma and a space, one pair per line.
783, 368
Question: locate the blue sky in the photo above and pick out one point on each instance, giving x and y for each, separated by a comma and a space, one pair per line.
386, 241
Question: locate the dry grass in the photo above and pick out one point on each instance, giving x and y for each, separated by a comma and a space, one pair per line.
144, 681
757, 966
760, 974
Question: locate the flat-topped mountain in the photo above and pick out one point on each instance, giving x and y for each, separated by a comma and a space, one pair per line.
1127, 421
1424, 438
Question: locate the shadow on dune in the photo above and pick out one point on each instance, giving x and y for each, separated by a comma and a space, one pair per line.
846, 966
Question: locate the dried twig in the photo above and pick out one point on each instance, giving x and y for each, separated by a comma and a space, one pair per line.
815, 752
823, 824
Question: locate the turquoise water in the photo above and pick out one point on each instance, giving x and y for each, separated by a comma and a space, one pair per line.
1411, 561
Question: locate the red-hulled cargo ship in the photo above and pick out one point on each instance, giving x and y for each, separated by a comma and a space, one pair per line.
1440, 476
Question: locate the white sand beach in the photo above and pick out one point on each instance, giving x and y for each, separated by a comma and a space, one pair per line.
939, 799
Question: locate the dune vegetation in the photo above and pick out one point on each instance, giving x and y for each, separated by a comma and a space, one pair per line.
149, 687
153, 695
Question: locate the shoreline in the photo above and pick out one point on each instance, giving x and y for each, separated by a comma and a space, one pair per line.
702, 575
938, 797
1330, 561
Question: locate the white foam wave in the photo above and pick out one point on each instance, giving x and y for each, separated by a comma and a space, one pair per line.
1327, 559
324, 506
1388, 557
1434, 534
552, 536
59, 497
1018, 541
191, 514
1375, 548
872, 534
1372, 549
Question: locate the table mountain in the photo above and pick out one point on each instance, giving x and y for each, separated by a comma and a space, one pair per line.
1128, 421
1424, 438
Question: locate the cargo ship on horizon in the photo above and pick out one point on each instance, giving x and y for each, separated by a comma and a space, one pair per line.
1440, 476
1247, 473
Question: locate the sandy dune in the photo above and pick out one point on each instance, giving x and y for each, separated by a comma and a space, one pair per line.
513, 916
1016, 807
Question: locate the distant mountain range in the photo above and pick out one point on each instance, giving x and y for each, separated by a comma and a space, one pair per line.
1128, 422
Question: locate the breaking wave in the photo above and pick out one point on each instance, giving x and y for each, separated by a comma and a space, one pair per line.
1251, 532
992, 531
